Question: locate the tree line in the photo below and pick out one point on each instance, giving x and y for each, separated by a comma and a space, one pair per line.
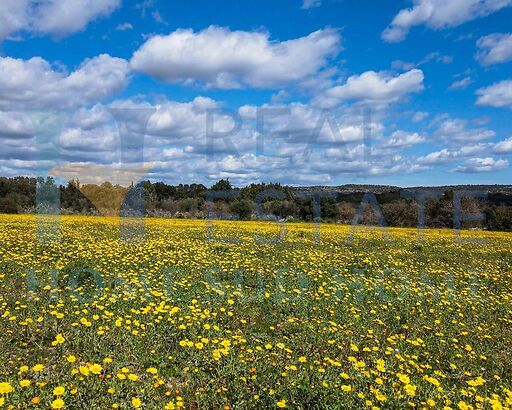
261, 201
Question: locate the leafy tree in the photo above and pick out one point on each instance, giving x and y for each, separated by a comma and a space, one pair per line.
241, 207
8, 205
402, 213
189, 204
222, 185
498, 218
328, 209
252, 191
188, 200
282, 209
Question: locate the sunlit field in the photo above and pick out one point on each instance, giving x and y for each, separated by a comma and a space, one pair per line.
197, 315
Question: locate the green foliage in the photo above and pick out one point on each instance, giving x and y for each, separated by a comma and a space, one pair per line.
252, 191
242, 208
499, 218
222, 185
18, 195
8, 205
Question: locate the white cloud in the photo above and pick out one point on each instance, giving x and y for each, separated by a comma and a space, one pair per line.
360, 165
436, 158
310, 4
298, 146
13, 16
222, 58
402, 139
494, 49
455, 130
439, 14
15, 125
446, 155
474, 149
434, 56
63, 17
90, 118
90, 173
175, 139
124, 27
101, 138
35, 84
437, 57
158, 17
185, 123
374, 87
156, 128
57, 17
503, 147
401, 65
484, 120
419, 116
496, 95
461, 84
478, 165
302, 124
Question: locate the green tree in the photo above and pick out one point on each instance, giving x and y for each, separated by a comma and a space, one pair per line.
241, 207
222, 185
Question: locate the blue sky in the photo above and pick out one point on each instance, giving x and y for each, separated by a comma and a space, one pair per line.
435, 76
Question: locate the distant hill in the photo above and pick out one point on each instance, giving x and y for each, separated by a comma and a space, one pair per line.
381, 189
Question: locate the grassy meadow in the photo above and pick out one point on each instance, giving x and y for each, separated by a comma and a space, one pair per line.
240, 315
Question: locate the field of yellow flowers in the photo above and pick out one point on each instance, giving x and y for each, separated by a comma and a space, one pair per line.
214, 315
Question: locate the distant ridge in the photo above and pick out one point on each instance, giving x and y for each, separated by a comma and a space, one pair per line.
381, 189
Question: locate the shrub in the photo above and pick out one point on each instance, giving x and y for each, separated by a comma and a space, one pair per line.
242, 208
8, 205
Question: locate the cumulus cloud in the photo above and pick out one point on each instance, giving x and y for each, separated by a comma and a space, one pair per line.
56, 17
175, 138
497, 95
15, 125
302, 144
35, 83
300, 123
439, 14
361, 165
503, 147
447, 155
13, 16
374, 87
187, 120
94, 134
221, 58
478, 165
437, 157
403, 139
63, 17
456, 131
494, 49
90, 173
